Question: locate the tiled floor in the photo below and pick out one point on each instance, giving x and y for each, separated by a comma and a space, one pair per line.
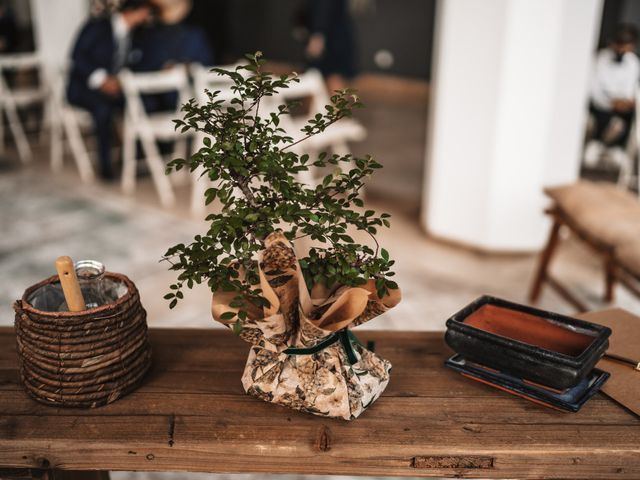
43, 217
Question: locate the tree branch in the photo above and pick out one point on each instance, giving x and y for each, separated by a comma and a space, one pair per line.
309, 135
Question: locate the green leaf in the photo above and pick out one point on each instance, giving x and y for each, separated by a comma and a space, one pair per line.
227, 315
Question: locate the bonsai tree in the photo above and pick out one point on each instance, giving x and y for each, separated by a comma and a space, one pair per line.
250, 160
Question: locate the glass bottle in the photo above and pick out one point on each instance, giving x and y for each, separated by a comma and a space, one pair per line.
90, 275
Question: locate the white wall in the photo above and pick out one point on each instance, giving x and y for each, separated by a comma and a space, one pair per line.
507, 115
55, 26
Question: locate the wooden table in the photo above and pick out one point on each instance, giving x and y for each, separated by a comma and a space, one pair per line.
191, 414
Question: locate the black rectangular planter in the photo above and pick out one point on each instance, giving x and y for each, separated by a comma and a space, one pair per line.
544, 347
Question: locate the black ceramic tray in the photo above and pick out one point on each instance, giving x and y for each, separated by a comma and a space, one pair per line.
569, 400
544, 347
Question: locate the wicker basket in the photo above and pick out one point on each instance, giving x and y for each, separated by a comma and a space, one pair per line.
83, 359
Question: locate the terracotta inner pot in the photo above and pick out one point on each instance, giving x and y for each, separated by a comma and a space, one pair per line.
533, 330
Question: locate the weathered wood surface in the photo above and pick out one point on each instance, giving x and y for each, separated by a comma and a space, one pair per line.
191, 414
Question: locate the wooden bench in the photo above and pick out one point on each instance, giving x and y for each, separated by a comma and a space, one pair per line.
607, 219
191, 414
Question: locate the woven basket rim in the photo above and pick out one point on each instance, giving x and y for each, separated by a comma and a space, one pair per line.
131, 289
59, 324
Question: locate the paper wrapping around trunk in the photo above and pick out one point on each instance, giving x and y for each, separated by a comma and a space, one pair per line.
331, 381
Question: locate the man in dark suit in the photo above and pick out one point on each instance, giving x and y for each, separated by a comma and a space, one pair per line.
102, 49
170, 44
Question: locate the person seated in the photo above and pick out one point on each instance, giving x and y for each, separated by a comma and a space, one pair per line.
612, 96
331, 46
172, 41
168, 42
102, 48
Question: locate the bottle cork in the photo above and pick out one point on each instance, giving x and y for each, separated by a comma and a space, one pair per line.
70, 285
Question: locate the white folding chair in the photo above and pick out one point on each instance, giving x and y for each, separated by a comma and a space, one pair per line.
205, 79
68, 121
12, 99
335, 138
151, 127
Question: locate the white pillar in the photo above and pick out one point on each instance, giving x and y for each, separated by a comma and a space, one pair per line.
508, 109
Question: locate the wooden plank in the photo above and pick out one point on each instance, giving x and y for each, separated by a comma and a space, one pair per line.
403, 383
287, 428
501, 409
191, 414
222, 447
219, 349
430, 464
112, 442
203, 368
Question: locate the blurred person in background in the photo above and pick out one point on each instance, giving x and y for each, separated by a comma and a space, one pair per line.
331, 44
612, 97
8, 29
171, 41
103, 48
